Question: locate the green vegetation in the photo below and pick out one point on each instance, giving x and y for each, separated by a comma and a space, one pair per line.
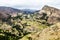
21, 27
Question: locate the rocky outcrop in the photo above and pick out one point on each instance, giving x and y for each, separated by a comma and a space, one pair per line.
53, 14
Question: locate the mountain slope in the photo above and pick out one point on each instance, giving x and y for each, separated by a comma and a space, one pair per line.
51, 14
6, 11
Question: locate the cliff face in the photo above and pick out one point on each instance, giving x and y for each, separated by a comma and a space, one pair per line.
52, 13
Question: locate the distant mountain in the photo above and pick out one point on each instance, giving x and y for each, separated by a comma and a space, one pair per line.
28, 11
9, 9
6, 11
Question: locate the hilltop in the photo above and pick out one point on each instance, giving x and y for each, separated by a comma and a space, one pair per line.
51, 14
6, 11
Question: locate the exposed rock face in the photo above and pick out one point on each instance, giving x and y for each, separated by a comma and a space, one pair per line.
53, 14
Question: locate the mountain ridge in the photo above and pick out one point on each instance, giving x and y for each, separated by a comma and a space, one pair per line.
52, 14
6, 11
